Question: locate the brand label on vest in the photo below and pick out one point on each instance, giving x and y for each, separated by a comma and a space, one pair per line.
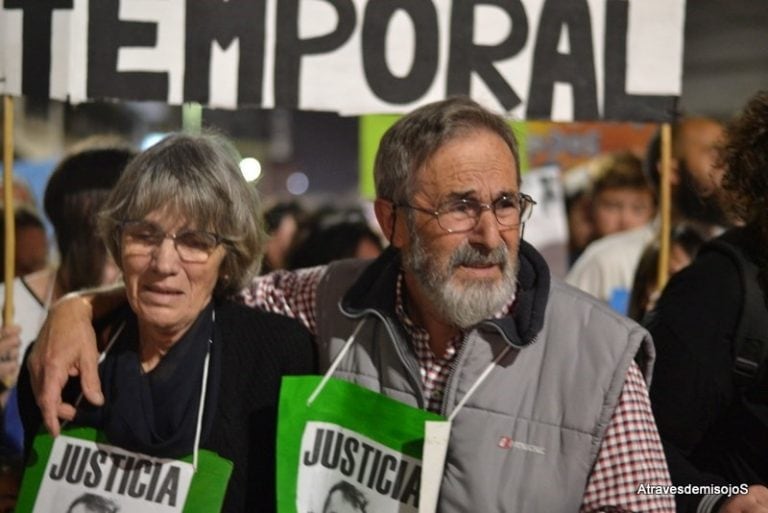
84, 472
339, 467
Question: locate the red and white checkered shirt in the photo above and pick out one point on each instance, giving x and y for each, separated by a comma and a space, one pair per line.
631, 452
435, 369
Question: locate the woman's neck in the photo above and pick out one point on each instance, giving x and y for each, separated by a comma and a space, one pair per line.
154, 344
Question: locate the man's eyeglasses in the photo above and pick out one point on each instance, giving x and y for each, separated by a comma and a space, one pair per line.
462, 215
193, 246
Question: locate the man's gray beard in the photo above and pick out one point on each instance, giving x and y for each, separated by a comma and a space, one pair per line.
468, 304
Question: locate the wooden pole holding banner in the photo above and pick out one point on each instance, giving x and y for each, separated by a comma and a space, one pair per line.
10, 224
10, 227
665, 202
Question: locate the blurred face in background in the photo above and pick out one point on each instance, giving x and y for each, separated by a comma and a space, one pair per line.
31, 250
698, 174
580, 223
618, 209
280, 241
698, 149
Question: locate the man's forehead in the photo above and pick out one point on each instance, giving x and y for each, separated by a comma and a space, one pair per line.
467, 181
701, 131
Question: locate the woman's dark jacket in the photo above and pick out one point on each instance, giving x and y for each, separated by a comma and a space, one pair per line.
250, 353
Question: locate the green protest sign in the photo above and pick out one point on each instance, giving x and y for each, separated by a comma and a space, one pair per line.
349, 442
80, 466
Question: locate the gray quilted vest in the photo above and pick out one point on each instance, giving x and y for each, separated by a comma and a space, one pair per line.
527, 439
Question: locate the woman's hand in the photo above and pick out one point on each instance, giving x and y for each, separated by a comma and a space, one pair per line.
65, 347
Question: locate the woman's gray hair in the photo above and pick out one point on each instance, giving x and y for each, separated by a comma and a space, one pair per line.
415, 137
197, 177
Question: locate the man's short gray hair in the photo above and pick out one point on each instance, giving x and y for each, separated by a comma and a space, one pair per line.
198, 178
418, 135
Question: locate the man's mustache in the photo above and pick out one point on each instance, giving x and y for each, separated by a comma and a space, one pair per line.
468, 255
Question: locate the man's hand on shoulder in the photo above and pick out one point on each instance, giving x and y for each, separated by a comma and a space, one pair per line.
65, 347
755, 501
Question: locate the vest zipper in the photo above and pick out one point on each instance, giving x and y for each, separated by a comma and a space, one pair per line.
412, 373
457, 362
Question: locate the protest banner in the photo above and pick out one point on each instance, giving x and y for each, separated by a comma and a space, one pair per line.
563, 60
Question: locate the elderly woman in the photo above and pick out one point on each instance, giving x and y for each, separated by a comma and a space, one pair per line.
183, 226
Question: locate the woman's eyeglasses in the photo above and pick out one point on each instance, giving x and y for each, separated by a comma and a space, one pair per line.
143, 237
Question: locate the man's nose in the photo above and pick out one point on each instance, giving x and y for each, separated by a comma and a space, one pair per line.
487, 231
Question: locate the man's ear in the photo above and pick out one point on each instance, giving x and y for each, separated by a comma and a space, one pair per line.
386, 215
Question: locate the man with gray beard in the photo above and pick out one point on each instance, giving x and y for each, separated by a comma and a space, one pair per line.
477, 300
561, 421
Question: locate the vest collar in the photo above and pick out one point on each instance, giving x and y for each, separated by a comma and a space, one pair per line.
374, 292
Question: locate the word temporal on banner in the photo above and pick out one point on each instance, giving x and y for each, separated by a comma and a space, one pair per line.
537, 59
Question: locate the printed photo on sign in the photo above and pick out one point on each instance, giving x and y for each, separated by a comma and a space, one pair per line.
343, 471
83, 476
91, 503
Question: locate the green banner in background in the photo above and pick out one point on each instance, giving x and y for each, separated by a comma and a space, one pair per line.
350, 444
372, 128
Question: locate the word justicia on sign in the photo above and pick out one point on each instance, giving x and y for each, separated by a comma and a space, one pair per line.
387, 473
113, 472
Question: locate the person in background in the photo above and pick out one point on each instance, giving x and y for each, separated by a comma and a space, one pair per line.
282, 222
710, 383
622, 197
183, 226
31, 256
606, 268
581, 227
684, 246
333, 235
605, 195
76, 190
10, 479
457, 294
31, 242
